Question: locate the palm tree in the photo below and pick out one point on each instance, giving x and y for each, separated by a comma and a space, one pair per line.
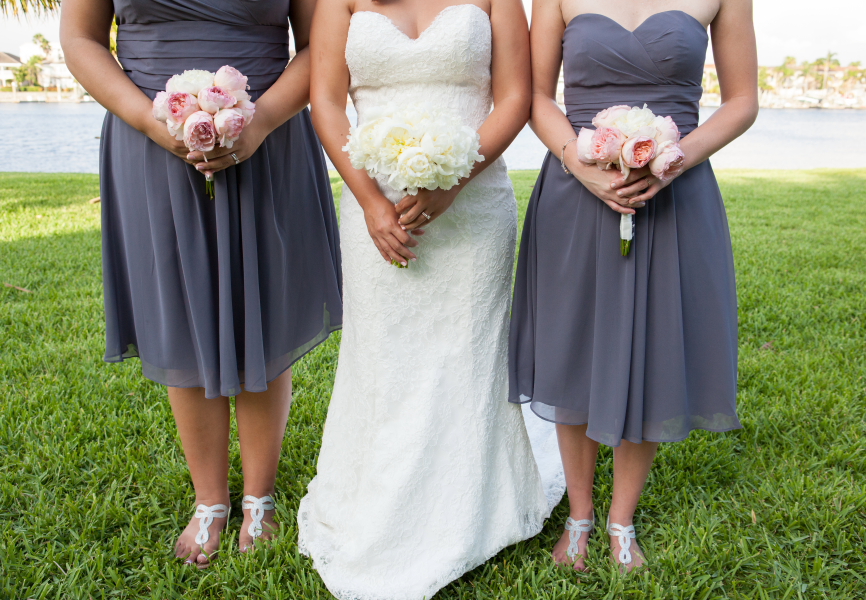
43, 43
16, 7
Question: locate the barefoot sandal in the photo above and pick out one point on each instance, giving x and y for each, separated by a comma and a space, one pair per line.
575, 530
257, 508
624, 535
205, 515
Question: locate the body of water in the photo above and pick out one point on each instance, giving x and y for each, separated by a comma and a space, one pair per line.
58, 137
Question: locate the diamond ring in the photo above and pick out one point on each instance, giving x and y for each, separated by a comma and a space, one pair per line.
425, 215
235, 156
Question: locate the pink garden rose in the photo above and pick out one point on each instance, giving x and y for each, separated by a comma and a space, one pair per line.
213, 99
160, 107
584, 146
637, 151
199, 132
668, 163
606, 145
606, 117
667, 130
230, 79
229, 123
247, 109
180, 106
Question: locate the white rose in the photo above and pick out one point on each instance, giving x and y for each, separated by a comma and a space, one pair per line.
637, 121
190, 82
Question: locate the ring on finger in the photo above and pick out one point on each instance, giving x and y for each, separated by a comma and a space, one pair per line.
426, 216
235, 156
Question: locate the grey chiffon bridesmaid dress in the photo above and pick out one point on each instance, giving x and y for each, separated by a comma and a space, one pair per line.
642, 347
223, 294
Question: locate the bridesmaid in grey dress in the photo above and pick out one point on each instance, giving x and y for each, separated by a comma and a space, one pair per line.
217, 298
629, 351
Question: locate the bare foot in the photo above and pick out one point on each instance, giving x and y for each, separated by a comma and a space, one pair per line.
560, 550
269, 530
637, 556
193, 553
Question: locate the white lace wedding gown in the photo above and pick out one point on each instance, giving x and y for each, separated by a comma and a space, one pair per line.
425, 470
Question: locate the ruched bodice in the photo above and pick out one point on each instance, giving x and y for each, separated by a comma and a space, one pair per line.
157, 39
448, 64
660, 63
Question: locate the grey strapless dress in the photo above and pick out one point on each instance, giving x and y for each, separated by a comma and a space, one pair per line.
642, 347
225, 293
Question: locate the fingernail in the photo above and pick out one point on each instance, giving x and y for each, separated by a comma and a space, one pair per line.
619, 194
405, 264
414, 259
199, 167
612, 184
403, 228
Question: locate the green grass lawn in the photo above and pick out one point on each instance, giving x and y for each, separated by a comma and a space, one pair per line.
94, 487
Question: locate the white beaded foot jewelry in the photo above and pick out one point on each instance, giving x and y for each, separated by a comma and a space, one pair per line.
575, 530
206, 515
257, 508
624, 535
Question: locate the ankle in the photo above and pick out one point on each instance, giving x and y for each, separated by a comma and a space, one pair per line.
211, 498
581, 509
623, 518
259, 492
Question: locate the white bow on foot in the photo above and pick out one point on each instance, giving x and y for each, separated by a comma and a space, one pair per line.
205, 515
257, 508
575, 530
624, 535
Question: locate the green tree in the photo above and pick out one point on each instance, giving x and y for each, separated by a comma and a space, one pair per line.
823, 65
28, 73
16, 7
43, 43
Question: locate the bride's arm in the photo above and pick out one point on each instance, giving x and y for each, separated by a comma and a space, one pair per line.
736, 56
329, 88
510, 72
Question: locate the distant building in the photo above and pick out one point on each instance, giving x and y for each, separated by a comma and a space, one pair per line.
8, 64
53, 70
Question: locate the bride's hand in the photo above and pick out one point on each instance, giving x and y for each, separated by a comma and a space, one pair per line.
390, 238
252, 136
419, 210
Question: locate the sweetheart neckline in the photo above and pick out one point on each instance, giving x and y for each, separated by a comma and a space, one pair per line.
426, 29
644, 22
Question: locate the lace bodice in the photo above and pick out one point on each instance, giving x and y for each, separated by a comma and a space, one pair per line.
448, 64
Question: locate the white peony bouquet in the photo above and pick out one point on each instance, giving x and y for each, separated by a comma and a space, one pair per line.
415, 147
204, 109
628, 137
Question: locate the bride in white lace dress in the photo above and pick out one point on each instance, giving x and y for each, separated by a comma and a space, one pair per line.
425, 470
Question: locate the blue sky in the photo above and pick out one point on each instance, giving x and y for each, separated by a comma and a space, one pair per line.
805, 29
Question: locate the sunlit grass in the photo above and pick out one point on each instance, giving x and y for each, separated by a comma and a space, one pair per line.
93, 485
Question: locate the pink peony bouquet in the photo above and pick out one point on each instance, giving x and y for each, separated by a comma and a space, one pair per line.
204, 109
629, 138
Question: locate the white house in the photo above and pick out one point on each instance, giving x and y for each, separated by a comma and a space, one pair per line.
8, 62
53, 70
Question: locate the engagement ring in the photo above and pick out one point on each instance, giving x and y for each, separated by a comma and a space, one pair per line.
425, 215
237, 160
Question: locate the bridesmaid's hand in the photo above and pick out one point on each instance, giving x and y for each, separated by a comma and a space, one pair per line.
431, 202
252, 136
650, 186
603, 184
159, 133
389, 236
